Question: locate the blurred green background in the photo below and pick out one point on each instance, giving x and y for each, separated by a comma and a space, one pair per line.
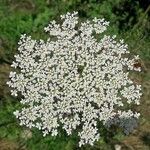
129, 19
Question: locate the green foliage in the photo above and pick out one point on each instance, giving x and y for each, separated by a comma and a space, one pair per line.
9, 128
62, 141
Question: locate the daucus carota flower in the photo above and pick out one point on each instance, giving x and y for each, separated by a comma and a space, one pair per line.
74, 80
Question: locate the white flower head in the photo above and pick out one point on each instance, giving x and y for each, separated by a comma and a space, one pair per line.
73, 79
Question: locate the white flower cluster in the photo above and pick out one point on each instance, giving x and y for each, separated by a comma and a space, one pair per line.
72, 80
